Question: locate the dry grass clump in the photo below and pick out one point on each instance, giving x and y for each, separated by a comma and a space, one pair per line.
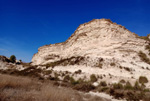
86, 86
14, 88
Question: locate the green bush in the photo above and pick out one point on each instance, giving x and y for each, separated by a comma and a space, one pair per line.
143, 79
93, 78
13, 58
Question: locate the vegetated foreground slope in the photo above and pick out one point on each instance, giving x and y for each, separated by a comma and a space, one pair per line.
13, 88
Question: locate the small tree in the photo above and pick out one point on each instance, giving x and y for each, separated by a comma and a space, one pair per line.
13, 58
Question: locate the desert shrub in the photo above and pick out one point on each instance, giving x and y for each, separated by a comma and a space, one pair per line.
30, 71
127, 69
41, 78
118, 94
147, 97
111, 91
66, 61
118, 86
112, 64
73, 81
80, 80
100, 65
120, 67
147, 47
63, 74
13, 58
137, 86
26, 64
52, 64
131, 96
143, 79
122, 81
47, 72
66, 78
86, 86
144, 57
93, 78
56, 76
145, 38
128, 86
78, 71
146, 90
104, 89
103, 83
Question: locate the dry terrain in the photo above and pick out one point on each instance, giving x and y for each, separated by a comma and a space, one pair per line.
13, 88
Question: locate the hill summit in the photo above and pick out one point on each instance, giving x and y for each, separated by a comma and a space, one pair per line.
99, 47
95, 39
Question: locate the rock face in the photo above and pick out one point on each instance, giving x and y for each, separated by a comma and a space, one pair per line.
99, 39
99, 47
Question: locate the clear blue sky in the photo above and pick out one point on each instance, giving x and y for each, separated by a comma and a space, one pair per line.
25, 25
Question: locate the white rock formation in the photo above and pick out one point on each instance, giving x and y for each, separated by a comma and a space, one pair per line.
99, 43
99, 38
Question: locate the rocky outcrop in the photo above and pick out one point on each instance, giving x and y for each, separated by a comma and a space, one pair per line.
4, 59
99, 38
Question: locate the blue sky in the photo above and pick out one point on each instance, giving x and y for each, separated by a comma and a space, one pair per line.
25, 25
